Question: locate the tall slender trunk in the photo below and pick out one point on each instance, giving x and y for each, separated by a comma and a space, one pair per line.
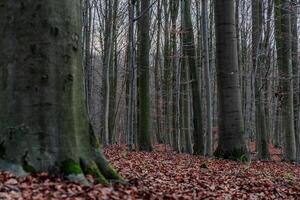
113, 74
295, 63
257, 52
156, 74
131, 77
174, 8
232, 144
190, 52
167, 76
144, 139
283, 18
207, 67
106, 68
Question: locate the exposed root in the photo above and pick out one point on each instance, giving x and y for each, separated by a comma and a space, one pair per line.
90, 167
105, 168
97, 166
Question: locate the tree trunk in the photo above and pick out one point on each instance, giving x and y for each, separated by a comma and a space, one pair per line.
113, 74
261, 135
174, 8
144, 140
295, 63
286, 82
167, 77
232, 143
209, 145
156, 76
43, 105
190, 52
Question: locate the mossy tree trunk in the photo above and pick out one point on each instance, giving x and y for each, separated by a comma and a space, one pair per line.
232, 143
43, 110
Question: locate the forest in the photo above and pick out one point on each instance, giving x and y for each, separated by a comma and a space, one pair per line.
149, 99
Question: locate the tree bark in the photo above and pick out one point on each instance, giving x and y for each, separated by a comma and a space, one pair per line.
232, 143
286, 82
144, 140
190, 53
209, 142
43, 105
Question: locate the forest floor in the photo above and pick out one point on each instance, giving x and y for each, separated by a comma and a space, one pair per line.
166, 175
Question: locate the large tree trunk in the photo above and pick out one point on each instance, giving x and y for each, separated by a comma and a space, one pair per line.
231, 130
42, 104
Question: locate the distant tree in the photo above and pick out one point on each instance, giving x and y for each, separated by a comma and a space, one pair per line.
207, 68
175, 131
189, 51
261, 132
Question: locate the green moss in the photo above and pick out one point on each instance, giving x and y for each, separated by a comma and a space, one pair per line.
93, 170
106, 169
235, 154
29, 169
113, 174
71, 167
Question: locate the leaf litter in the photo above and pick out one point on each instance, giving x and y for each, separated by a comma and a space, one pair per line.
163, 174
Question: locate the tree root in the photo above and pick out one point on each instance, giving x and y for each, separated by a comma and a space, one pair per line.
98, 167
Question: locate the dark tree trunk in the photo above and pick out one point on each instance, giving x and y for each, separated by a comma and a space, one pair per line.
43, 110
232, 143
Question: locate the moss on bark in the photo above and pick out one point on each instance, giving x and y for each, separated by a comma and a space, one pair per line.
93, 170
70, 167
43, 110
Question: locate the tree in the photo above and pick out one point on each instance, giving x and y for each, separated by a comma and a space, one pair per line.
144, 140
190, 52
209, 142
231, 143
283, 26
43, 110
157, 79
175, 68
261, 135
167, 84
